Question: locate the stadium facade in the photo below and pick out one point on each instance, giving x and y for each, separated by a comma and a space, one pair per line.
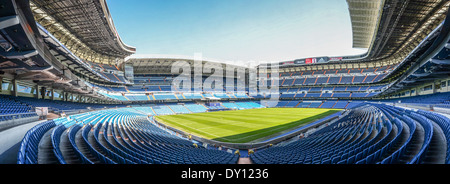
67, 56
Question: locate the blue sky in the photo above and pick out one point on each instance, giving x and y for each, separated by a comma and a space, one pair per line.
236, 30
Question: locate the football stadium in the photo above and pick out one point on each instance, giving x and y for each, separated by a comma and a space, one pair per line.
73, 92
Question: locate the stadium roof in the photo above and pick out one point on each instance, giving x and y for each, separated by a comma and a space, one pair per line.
163, 64
85, 27
403, 25
365, 17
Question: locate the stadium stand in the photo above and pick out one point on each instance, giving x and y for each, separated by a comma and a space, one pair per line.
10, 108
368, 135
162, 110
196, 108
88, 142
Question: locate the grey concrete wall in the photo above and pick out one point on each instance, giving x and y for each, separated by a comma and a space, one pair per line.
4, 125
10, 141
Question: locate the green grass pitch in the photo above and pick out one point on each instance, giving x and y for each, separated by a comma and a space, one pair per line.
244, 126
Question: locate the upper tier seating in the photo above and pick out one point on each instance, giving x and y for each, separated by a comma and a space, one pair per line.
327, 80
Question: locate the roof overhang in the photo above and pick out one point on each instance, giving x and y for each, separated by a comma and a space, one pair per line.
85, 27
164, 64
365, 17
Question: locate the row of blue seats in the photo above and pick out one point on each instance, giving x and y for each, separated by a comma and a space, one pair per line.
323, 149
335, 71
318, 104
60, 106
315, 80
12, 109
418, 124
28, 152
444, 124
437, 98
8, 116
392, 137
338, 88
122, 137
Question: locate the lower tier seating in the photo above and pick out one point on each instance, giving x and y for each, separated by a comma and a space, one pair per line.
371, 134
116, 136
367, 134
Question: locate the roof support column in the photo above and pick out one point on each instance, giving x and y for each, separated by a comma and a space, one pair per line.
53, 94
14, 83
1, 83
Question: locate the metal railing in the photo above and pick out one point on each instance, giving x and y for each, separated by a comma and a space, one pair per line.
442, 108
19, 115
